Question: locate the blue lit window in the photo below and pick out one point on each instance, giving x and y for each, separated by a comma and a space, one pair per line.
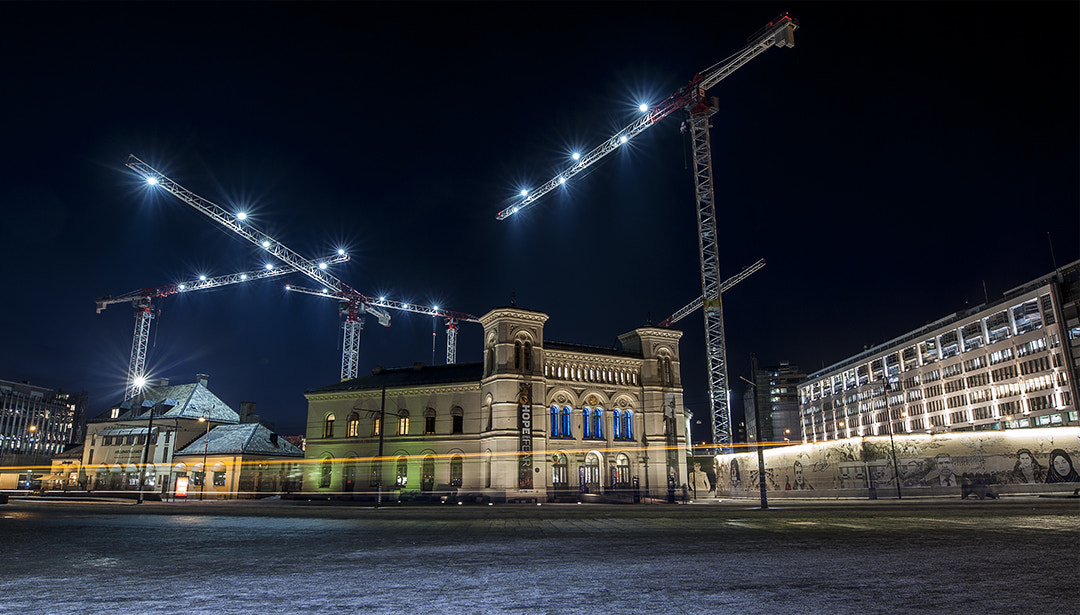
554, 428
598, 423
566, 414
585, 425
616, 423
628, 428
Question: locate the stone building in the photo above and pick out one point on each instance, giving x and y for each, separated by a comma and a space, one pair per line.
536, 420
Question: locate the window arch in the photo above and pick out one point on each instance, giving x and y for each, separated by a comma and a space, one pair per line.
527, 363
457, 465
554, 422
592, 473
628, 424
622, 470
586, 420
403, 422
567, 431
616, 424
598, 423
376, 424
352, 426
429, 421
427, 474
326, 472
560, 476
328, 426
458, 419
517, 354
402, 473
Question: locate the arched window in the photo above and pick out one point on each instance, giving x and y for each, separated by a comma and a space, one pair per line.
559, 475
376, 424
487, 470
326, 472
586, 419
567, 431
616, 424
592, 473
528, 357
628, 425
429, 421
622, 470
598, 423
517, 354
352, 427
328, 426
457, 464
553, 427
403, 422
427, 474
402, 476
458, 416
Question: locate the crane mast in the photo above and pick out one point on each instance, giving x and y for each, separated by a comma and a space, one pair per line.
691, 99
141, 300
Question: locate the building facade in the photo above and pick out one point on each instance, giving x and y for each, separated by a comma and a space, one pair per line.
776, 393
534, 421
1010, 364
237, 461
35, 423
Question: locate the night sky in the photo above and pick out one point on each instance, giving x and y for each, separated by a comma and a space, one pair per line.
899, 160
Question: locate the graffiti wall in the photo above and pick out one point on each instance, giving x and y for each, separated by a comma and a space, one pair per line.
1014, 461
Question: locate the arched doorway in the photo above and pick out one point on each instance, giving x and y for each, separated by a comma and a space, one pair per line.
427, 474
590, 478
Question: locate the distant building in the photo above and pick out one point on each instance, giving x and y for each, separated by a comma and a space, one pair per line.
1009, 364
245, 460
535, 421
35, 423
777, 395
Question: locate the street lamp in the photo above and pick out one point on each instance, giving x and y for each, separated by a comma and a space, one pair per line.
206, 445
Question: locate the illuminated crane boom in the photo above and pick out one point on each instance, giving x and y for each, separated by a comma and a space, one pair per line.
353, 303
691, 99
141, 300
689, 308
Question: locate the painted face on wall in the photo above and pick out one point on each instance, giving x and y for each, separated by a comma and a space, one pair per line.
798, 473
1062, 465
1025, 460
944, 465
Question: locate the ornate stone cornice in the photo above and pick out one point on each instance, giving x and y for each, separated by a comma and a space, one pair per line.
409, 391
514, 313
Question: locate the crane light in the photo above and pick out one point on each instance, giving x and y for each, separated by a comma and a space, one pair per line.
622, 139
576, 156
643, 107
524, 192
153, 181
243, 276
140, 381
322, 265
341, 252
266, 243
182, 286
241, 216
562, 180
382, 299
269, 266
435, 308
202, 278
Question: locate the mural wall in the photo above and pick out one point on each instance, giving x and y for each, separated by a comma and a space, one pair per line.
1013, 461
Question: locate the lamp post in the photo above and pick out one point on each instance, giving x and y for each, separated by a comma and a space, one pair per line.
206, 446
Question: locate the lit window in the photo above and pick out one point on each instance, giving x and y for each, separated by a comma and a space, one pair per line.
326, 472
403, 423
376, 425
566, 430
586, 427
628, 425
598, 423
353, 426
456, 470
328, 426
402, 472
554, 427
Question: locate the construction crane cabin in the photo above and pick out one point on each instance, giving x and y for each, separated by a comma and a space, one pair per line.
692, 100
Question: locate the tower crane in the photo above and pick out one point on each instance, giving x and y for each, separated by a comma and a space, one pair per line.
141, 300
353, 305
692, 100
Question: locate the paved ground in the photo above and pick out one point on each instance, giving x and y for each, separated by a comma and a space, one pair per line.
1016, 555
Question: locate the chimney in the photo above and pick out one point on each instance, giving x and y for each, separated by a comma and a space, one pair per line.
273, 438
247, 409
203, 379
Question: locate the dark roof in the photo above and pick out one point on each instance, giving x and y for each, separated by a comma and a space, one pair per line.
246, 439
549, 345
418, 375
184, 401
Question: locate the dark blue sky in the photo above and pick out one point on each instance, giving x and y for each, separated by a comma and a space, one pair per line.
894, 161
